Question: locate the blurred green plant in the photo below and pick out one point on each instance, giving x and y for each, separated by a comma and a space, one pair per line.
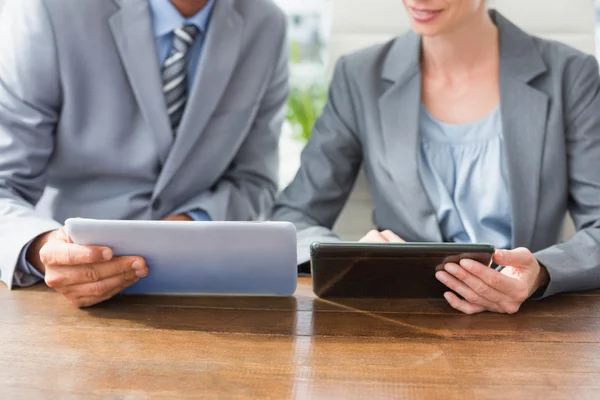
305, 103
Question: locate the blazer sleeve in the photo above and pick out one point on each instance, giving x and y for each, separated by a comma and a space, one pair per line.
247, 190
575, 265
329, 167
29, 110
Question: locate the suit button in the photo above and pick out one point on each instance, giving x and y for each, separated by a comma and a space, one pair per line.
156, 205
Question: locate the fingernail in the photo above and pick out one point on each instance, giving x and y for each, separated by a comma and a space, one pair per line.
107, 254
466, 263
137, 264
440, 277
139, 268
451, 268
500, 254
447, 296
140, 273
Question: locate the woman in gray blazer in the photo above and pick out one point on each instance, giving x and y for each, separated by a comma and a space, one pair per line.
469, 130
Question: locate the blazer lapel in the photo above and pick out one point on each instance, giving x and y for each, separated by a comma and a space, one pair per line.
524, 118
219, 57
132, 30
399, 106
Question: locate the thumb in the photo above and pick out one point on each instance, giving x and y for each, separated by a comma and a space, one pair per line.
520, 257
391, 237
61, 235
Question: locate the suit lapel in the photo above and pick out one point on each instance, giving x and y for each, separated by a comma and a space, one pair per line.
524, 134
219, 57
399, 106
132, 30
524, 118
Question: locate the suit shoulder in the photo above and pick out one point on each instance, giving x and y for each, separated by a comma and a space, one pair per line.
367, 59
76, 6
75, 12
560, 56
262, 12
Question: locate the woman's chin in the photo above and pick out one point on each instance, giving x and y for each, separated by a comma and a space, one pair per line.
427, 30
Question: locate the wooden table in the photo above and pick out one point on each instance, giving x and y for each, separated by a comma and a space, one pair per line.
301, 347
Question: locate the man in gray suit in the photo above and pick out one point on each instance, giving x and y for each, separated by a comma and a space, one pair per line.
132, 109
508, 179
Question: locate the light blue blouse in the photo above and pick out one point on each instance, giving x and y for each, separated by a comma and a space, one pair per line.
464, 173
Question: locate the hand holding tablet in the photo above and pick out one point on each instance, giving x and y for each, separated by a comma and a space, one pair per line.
84, 275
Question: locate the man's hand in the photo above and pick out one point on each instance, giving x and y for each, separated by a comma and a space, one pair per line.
381, 237
85, 275
179, 218
485, 289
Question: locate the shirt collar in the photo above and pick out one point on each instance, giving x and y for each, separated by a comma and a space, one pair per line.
165, 17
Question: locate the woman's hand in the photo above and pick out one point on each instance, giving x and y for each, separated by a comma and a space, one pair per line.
485, 289
381, 237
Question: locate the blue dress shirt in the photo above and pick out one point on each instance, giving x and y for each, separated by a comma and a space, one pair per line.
165, 18
464, 173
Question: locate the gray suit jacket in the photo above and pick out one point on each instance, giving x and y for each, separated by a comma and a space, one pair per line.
550, 102
82, 111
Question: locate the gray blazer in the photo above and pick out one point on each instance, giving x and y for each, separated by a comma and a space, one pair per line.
550, 102
82, 111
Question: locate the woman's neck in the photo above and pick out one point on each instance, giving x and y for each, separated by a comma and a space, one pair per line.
463, 49
189, 8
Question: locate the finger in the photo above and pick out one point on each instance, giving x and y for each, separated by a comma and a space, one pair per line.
102, 288
374, 237
477, 285
109, 269
178, 218
391, 237
491, 277
466, 292
461, 305
88, 301
65, 276
62, 235
520, 257
59, 252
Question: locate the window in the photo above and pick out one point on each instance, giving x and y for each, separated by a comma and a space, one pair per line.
597, 28
307, 35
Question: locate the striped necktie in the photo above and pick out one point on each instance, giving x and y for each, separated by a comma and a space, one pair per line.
174, 73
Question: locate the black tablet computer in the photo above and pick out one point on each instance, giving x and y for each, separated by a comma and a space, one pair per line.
390, 270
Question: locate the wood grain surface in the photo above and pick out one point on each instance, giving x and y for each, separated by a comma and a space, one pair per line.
295, 348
